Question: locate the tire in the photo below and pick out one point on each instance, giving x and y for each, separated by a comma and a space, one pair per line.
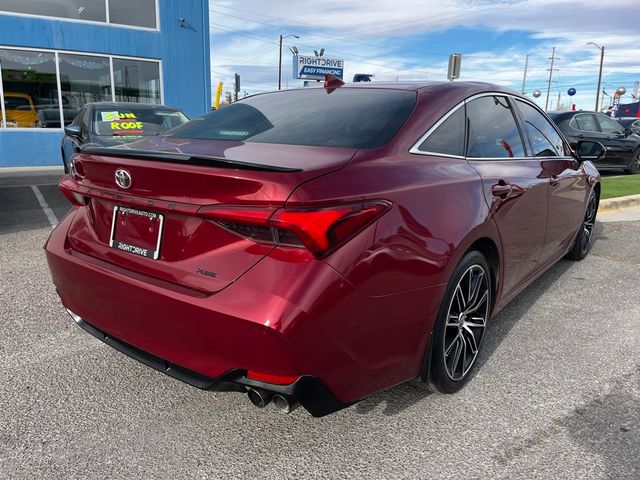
64, 162
461, 324
584, 239
634, 165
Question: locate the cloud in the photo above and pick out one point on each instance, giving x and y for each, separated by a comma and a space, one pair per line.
410, 40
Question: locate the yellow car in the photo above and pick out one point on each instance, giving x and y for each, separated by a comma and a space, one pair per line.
20, 110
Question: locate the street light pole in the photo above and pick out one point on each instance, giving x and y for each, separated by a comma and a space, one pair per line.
280, 66
600, 72
282, 37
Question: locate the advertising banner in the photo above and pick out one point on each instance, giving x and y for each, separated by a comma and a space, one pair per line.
315, 68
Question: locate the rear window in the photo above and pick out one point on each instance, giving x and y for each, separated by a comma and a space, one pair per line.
351, 118
16, 103
110, 122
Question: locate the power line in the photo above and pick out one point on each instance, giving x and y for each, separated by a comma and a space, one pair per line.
344, 40
475, 9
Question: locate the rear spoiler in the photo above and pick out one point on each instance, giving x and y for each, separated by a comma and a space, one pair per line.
183, 158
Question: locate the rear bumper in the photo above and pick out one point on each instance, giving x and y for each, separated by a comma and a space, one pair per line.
283, 317
308, 391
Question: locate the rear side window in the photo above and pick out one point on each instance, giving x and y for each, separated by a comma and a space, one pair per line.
448, 138
492, 130
584, 122
545, 140
346, 117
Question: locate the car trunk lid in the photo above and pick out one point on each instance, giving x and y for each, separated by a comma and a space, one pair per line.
170, 182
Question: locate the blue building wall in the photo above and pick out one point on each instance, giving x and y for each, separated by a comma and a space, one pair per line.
183, 50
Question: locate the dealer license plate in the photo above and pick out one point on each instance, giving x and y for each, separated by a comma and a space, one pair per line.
136, 231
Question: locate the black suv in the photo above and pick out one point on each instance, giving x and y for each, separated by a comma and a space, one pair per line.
623, 146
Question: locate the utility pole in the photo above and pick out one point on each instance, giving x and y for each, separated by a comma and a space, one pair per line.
599, 72
524, 78
558, 104
280, 66
599, 75
636, 86
553, 57
282, 37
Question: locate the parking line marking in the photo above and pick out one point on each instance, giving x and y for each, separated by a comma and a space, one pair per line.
27, 185
45, 207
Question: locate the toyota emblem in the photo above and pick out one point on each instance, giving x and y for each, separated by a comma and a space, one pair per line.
123, 178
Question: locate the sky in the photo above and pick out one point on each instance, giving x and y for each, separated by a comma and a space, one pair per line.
411, 40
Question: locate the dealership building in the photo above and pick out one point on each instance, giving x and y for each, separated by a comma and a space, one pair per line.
57, 55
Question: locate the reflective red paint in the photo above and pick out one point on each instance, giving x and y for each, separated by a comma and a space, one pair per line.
384, 231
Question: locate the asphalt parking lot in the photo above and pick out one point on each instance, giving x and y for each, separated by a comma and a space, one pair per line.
557, 395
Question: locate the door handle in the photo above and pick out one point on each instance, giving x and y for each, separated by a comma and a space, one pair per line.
501, 189
554, 180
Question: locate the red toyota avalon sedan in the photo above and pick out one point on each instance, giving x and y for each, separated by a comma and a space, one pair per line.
314, 246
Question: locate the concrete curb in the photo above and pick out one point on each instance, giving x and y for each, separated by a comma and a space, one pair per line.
613, 204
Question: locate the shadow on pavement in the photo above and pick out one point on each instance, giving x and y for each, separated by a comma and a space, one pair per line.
609, 426
402, 396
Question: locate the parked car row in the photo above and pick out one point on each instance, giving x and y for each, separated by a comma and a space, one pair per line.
621, 143
620, 137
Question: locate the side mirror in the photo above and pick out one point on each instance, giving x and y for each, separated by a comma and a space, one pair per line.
627, 132
590, 150
73, 131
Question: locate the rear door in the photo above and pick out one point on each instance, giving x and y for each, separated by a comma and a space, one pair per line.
568, 188
515, 187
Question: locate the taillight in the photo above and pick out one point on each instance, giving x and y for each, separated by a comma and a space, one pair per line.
74, 197
320, 230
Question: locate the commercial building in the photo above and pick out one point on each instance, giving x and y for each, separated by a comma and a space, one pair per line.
57, 55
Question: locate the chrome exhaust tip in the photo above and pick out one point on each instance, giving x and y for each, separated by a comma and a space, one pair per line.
285, 403
259, 397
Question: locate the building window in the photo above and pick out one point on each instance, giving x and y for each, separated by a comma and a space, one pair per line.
137, 13
29, 95
141, 13
30, 90
136, 81
84, 79
91, 10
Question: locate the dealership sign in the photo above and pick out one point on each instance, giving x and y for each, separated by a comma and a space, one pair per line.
315, 68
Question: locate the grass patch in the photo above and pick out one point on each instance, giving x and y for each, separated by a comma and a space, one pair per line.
613, 187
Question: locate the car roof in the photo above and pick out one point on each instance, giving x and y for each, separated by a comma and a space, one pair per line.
569, 114
421, 86
17, 95
439, 95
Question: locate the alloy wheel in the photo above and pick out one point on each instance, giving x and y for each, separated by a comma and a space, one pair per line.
589, 222
635, 163
466, 321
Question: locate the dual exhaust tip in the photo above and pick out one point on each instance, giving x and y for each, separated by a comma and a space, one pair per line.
261, 398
